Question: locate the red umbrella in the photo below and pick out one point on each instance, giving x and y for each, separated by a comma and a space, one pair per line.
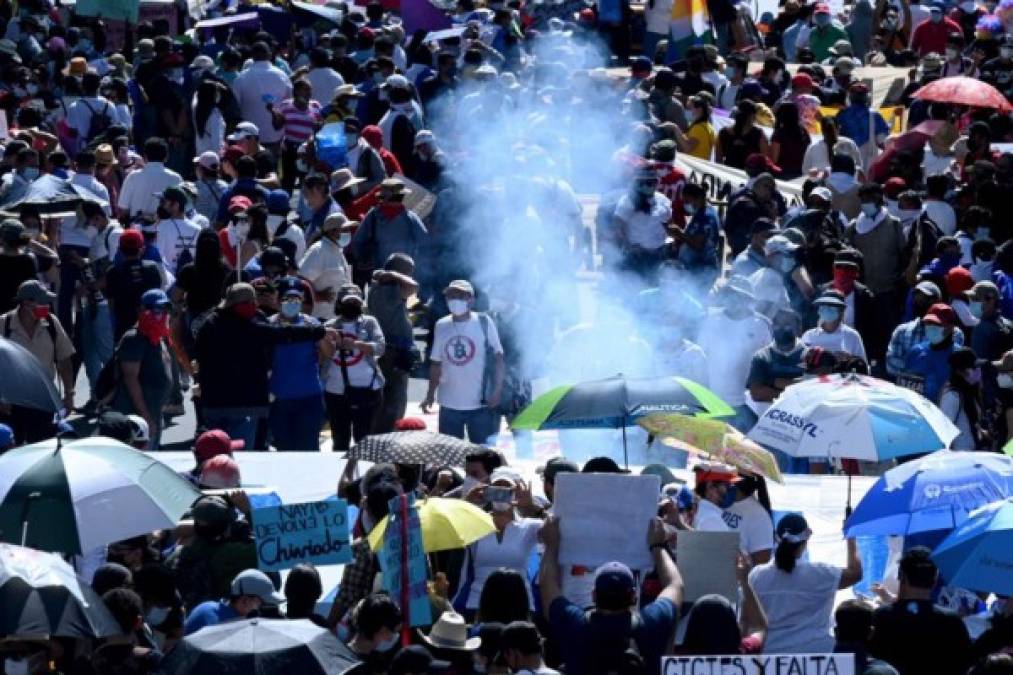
964, 91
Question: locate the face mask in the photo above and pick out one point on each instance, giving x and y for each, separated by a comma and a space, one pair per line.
934, 334
822, 20
242, 229
30, 172
344, 239
730, 72
973, 376
300, 166
467, 485
983, 233
245, 310
290, 308
908, 215
976, 308
351, 140
156, 616
890, 24
787, 264
1004, 380
870, 210
784, 337
828, 314
388, 644
936, 17
41, 312
457, 307
729, 499
690, 209
1006, 53
952, 55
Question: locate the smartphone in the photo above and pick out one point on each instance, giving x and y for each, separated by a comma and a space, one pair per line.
498, 494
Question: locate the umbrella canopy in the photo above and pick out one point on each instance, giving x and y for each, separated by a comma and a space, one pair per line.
258, 647
41, 595
52, 195
446, 524
618, 402
715, 440
76, 497
24, 381
413, 447
978, 555
964, 91
932, 493
852, 416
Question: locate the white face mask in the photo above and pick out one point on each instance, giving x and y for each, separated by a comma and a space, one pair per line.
156, 616
344, 239
274, 222
1005, 380
388, 644
457, 307
968, 7
468, 485
501, 507
242, 230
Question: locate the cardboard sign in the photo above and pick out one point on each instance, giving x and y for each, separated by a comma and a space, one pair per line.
603, 517
312, 532
124, 10
403, 561
763, 664
707, 564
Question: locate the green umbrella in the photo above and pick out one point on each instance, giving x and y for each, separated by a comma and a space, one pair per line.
88, 493
617, 402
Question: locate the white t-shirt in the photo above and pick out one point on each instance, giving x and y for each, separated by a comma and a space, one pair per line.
137, 195
658, 17
70, 233
709, 518
213, 137
324, 81
845, 339
730, 345
753, 523
106, 243
80, 113
798, 606
175, 236
646, 230
519, 539
326, 268
942, 214
361, 370
459, 347
949, 403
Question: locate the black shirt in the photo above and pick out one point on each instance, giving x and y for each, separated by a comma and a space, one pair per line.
126, 282
917, 638
266, 163
204, 286
14, 270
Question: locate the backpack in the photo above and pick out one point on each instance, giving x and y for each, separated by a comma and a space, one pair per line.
613, 652
185, 256
100, 121
50, 328
108, 380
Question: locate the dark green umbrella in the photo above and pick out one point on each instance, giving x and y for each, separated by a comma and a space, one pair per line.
618, 402
260, 646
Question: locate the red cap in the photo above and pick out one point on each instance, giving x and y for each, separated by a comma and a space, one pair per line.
941, 314
221, 471
715, 472
213, 443
239, 203
131, 241
802, 80
822, 8
586, 15
367, 32
410, 424
893, 187
959, 280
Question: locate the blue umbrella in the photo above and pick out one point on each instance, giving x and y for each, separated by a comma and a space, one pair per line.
978, 555
936, 492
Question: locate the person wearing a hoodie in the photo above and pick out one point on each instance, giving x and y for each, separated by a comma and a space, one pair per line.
373, 135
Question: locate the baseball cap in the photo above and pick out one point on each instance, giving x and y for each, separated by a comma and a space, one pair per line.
141, 433
256, 583
207, 160
983, 288
237, 293
131, 241
334, 221
601, 465
239, 203
779, 244
461, 285
831, 299
32, 290
215, 442
715, 472
802, 80
641, 64
213, 510
793, 528
556, 466
963, 358
291, 286
243, 131
761, 225
522, 636
173, 193
202, 63
940, 314
219, 472
348, 291
822, 193
396, 81
661, 471
929, 288
894, 186
115, 425
937, 6
613, 578
415, 660
738, 284
6, 437
155, 299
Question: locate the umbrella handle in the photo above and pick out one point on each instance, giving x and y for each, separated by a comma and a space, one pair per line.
847, 509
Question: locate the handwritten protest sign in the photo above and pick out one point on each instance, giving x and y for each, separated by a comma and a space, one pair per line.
603, 517
707, 564
403, 561
312, 532
766, 664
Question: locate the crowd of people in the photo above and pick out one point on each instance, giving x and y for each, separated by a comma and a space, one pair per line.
281, 230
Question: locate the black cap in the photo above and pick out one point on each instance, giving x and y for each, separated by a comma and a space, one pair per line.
272, 256
416, 659
115, 425
558, 465
964, 358
522, 636
761, 225
601, 465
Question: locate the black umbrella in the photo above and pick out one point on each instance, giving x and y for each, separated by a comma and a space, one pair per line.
23, 380
52, 195
413, 447
41, 595
260, 646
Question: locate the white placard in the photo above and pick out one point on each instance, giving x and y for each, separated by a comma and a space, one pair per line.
603, 517
761, 664
707, 564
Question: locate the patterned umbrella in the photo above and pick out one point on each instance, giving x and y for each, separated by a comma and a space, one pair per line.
260, 646
41, 595
964, 91
76, 497
413, 447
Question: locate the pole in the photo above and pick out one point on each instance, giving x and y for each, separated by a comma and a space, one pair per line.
847, 509
24, 515
626, 456
406, 598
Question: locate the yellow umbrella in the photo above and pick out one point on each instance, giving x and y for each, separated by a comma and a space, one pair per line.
446, 524
714, 439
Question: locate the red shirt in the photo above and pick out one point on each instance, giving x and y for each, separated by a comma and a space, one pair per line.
931, 37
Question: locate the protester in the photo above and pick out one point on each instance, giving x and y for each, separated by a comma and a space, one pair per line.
250, 590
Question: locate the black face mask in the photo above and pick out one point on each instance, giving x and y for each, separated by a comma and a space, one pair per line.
784, 337
352, 310
163, 213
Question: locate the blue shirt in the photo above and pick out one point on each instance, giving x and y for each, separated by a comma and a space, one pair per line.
705, 222
576, 634
932, 365
296, 370
854, 123
210, 613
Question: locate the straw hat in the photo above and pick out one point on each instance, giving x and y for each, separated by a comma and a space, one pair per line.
78, 66
451, 632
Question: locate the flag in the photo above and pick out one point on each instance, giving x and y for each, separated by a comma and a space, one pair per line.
690, 26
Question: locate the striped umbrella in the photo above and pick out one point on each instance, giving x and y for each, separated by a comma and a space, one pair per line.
41, 595
88, 493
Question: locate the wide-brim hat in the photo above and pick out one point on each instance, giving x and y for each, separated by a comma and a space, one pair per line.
451, 632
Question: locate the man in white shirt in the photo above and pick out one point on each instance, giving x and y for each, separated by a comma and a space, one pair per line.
141, 188
936, 207
462, 343
256, 87
71, 233
83, 110
177, 236
324, 79
325, 266
831, 333
714, 489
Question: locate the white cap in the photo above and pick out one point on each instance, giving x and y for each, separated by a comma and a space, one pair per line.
779, 244
202, 63
243, 131
396, 82
255, 582
208, 160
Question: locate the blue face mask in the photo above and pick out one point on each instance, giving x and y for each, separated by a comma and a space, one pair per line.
290, 308
934, 334
976, 308
870, 210
729, 498
828, 314
822, 20
30, 172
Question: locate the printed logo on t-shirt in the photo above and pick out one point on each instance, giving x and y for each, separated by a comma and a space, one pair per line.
732, 520
459, 350
352, 357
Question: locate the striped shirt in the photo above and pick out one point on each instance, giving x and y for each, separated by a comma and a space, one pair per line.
299, 124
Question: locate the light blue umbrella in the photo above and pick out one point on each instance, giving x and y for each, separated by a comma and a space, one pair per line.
978, 555
935, 492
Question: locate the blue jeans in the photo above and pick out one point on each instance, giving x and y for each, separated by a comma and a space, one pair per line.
238, 425
295, 423
96, 339
481, 423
